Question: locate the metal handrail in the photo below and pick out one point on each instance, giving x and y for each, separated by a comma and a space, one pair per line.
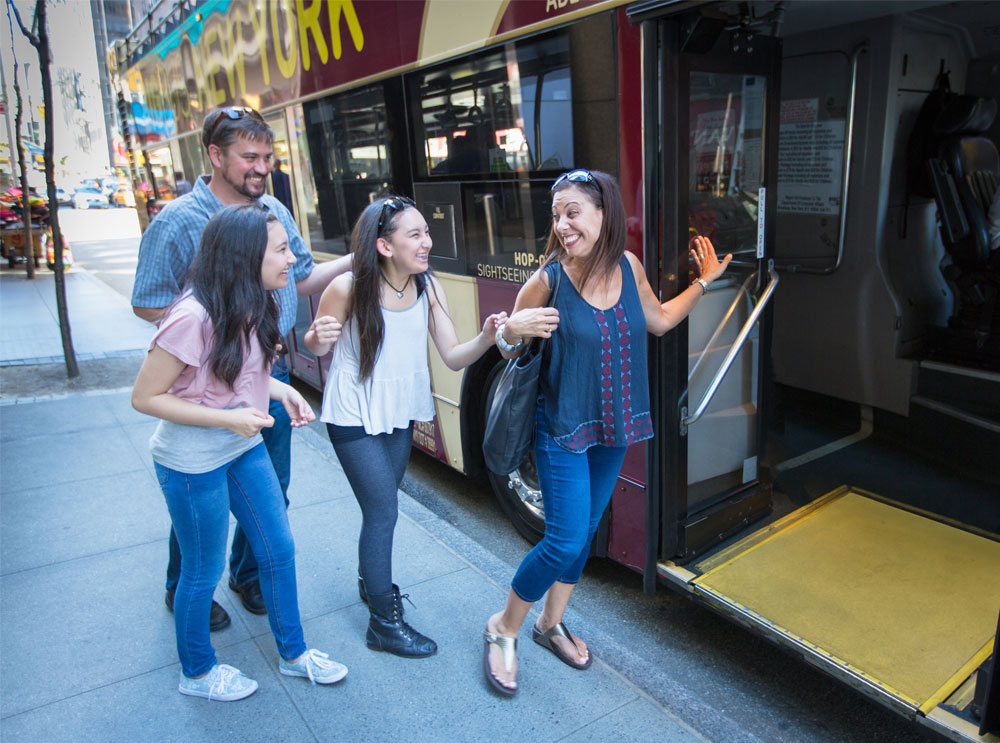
687, 420
845, 177
722, 324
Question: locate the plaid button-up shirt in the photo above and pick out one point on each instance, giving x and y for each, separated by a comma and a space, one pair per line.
171, 241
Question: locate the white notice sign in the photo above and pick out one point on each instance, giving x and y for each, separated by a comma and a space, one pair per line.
810, 161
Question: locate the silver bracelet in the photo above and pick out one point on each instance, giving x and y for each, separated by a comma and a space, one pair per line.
504, 345
704, 286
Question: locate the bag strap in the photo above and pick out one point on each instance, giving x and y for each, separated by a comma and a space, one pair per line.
553, 293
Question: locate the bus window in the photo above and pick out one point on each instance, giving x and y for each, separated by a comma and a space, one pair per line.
506, 111
348, 148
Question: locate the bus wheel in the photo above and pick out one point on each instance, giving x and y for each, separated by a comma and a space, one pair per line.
519, 494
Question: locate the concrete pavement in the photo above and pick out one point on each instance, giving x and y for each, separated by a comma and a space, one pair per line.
87, 647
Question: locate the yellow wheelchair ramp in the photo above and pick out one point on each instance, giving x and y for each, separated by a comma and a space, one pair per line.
905, 604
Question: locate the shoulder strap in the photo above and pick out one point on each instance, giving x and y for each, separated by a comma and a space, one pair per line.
556, 269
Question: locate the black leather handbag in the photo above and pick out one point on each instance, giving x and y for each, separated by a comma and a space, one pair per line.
510, 425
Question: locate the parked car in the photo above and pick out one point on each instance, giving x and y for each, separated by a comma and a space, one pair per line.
89, 198
123, 196
63, 197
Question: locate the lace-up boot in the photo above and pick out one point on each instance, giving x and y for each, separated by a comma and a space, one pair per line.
363, 592
387, 631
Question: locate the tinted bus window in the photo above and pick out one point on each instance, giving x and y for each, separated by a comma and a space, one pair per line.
348, 147
509, 110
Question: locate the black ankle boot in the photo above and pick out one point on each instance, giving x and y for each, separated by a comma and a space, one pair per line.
387, 631
363, 593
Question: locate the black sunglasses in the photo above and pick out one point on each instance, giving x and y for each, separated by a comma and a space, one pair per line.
233, 113
576, 176
391, 206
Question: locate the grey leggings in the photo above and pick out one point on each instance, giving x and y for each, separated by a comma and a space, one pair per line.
374, 466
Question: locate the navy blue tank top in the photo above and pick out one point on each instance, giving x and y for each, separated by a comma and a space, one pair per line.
593, 380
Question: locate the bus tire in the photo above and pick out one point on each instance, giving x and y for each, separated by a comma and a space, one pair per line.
518, 493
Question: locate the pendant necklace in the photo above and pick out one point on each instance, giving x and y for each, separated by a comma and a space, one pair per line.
399, 292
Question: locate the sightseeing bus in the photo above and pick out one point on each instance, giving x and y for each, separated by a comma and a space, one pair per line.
824, 470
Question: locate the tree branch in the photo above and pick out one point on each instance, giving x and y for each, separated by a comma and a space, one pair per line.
32, 38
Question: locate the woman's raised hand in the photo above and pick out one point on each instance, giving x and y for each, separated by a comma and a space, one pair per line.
709, 266
247, 422
532, 322
327, 329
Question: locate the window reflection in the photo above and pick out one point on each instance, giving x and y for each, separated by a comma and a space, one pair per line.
348, 148
506, 111
726, 126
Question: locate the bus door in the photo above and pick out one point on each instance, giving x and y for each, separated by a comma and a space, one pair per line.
895, 601
715, 95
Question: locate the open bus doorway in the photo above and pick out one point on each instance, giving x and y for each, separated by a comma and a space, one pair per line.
885, 580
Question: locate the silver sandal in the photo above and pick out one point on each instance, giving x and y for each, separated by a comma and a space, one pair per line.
508, 646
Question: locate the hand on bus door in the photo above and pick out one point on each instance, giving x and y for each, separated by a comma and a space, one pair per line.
709, 266
532, 322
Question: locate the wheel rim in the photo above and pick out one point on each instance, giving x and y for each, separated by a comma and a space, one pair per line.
524, 483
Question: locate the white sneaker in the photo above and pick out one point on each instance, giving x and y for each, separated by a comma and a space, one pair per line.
223, 683
315, 666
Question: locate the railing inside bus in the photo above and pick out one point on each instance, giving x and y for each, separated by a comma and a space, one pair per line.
743, 292
790, 264
688, 420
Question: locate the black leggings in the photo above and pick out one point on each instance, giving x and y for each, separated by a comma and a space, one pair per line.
374, 466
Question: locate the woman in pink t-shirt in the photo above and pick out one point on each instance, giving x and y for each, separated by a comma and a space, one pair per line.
207, 377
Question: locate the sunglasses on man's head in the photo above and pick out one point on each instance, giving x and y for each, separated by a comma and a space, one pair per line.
233, 113
391, 206
576, 176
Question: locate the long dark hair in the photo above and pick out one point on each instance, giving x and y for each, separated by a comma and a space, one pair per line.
366, 304
610, 246
225, 278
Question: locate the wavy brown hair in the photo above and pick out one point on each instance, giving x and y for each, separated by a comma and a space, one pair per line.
604, 194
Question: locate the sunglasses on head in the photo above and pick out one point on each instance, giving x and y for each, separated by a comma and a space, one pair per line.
576, 176
233, 113
391, 206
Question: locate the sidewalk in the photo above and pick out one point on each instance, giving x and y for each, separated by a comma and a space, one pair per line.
87, 647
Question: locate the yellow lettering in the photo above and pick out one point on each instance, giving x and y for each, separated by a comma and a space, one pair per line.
286, 65
347, 7
259, 23
212, 66
234, 54
196, 68
309, 20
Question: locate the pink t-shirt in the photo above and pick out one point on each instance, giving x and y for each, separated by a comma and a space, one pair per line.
186, 333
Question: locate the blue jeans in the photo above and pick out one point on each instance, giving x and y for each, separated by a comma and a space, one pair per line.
278, 440
576, 488
199, 508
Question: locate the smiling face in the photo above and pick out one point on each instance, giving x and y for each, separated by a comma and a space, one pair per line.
409, 245
241, 168
278, 258
576, 221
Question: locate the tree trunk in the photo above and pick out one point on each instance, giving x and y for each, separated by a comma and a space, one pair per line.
29, 250
44, 64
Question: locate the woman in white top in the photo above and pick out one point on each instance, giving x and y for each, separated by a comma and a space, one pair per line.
379, 384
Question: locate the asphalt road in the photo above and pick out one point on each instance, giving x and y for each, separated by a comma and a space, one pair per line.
680, 653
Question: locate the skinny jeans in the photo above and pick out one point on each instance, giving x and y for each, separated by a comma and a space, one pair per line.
278, 442
576, 488
199, 506
374, 466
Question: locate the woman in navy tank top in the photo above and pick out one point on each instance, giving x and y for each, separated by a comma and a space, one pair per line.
593, 401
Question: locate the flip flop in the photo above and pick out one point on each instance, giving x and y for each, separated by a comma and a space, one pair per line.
559, 630
508, 645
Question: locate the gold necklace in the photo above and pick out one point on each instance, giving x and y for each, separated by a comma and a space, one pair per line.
399, 292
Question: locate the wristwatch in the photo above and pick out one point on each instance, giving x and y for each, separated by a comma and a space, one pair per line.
704, 286
504, 345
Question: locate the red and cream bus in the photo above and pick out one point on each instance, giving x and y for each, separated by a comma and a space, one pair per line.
825, 466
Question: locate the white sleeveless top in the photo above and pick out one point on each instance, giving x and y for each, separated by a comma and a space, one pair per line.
399, 388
